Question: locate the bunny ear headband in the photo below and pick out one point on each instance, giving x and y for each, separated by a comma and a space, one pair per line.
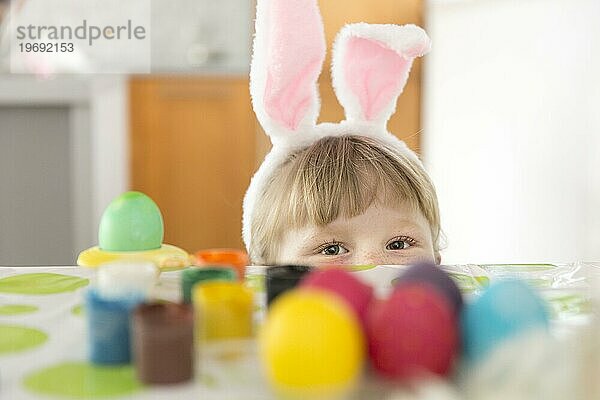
370, 66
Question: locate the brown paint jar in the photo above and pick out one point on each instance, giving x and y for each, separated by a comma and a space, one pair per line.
163, 343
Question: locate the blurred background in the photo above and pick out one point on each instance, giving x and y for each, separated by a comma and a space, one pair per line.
503, 112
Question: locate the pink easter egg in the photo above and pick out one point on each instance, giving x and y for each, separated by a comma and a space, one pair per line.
342, 282
414, 331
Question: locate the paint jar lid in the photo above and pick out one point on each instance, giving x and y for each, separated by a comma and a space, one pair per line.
117, 280
208, 273
281, 278
234, 258
195, 275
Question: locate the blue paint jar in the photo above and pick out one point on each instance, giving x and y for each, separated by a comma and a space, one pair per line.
108, 324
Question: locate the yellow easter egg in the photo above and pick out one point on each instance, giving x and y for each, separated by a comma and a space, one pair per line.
311, 342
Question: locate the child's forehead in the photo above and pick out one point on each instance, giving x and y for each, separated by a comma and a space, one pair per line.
402, 216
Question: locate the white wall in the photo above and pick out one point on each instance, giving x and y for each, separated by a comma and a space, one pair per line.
512, 128
109, 124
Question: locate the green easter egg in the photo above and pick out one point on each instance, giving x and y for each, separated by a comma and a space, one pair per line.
132, 222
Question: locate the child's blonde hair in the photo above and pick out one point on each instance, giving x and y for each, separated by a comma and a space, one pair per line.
337, 177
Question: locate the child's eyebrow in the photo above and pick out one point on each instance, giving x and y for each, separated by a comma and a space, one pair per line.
318, 236
403, 226
408, 222
310, 240
410, 226
404, 223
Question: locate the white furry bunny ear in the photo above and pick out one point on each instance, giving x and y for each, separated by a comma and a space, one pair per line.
288, 54
370, 67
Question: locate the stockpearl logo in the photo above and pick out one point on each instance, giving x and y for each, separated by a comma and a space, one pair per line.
80, 36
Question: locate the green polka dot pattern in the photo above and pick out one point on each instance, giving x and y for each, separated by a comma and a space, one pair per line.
16, 309
41, 283
83, 381
19, 338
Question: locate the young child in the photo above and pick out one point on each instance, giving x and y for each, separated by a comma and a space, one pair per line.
346, 193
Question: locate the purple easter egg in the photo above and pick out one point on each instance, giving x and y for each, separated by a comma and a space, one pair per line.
434, 275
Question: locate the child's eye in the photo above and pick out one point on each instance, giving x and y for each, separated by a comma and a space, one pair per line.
333, 250
400, 243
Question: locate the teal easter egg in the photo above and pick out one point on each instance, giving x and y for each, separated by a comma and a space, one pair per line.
505, 310
132, 222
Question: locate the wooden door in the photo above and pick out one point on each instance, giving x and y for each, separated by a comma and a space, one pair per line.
193, 151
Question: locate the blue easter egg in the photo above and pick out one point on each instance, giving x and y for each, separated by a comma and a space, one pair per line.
505, 310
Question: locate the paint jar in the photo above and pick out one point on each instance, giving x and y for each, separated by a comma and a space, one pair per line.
118, 280
163, 342
234, 258
282, 278
255, 280
194, 275
223, 310
108, 322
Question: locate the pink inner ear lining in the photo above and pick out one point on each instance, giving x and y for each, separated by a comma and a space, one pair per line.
295, 54
289, 104
374, 73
